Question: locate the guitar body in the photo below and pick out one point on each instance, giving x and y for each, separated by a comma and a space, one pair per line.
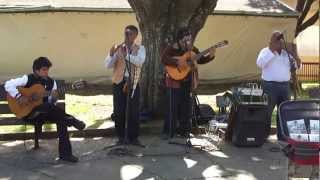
180, 73
23, 110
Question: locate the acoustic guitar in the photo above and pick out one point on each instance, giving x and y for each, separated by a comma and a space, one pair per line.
191, 58
35, 95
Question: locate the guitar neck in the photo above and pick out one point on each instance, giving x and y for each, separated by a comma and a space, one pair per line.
61, 90
198, 56
220, 44
64, 88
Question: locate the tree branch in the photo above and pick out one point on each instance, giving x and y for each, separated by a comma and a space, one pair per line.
307, 23
304, 12
200, 16
300, 5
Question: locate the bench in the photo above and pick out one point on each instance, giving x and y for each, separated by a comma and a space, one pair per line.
7, 118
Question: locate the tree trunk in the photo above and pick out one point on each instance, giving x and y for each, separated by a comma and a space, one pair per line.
303, 7
159, 21
152, 73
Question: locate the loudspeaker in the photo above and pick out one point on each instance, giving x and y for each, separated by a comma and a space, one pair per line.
250, 126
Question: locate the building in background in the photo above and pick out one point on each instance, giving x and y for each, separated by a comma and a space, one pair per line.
76, 35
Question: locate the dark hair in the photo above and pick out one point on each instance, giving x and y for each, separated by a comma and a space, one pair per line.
41, 62
182, 32
132, 28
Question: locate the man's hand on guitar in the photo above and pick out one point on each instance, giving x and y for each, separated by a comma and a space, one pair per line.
212, 52
23, 100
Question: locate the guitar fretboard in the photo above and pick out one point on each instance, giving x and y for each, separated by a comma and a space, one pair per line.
217, 45
63, 88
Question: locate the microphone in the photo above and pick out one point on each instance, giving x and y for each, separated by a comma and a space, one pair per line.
280, 37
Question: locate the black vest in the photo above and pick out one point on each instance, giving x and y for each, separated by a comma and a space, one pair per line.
47, 83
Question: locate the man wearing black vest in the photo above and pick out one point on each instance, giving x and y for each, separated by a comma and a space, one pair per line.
47, 110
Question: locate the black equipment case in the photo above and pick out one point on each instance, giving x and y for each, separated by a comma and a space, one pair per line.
250, 116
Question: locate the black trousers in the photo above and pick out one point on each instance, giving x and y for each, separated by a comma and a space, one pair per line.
179, 110
119, 111
50, 112
277, 93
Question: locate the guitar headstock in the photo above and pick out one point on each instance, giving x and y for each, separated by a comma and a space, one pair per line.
221, 44
79, 84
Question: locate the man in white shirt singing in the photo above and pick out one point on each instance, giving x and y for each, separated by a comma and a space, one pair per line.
124, 58
276, 73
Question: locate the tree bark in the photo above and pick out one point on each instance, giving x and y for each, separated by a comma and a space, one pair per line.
300, 5
158, 22
312, 20
303, 7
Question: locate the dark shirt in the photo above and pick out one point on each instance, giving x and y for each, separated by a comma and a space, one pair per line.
47, 83
167, 59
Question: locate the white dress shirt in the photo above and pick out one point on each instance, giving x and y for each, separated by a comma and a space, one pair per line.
274, 66
12, 85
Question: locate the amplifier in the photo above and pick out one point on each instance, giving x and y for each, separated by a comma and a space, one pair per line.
250, 126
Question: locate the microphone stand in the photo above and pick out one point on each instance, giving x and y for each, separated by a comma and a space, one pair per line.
292, 69
130, 94
122, 151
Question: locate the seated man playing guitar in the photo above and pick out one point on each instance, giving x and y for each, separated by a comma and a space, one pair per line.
46, 109
181, 78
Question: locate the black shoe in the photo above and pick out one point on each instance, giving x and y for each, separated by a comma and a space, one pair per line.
79, 125
70, 158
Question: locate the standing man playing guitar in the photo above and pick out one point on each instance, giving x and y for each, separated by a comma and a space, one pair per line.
47, 109
180, 56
